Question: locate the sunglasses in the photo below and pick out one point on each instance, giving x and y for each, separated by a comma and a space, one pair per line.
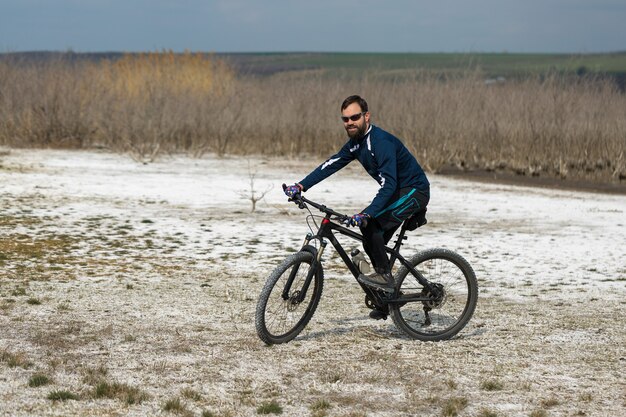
354, 117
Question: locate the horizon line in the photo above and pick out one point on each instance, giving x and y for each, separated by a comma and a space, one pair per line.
503, 52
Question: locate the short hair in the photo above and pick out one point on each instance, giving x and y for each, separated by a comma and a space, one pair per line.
355, 99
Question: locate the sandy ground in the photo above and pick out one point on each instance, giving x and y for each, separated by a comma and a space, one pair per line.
143, 279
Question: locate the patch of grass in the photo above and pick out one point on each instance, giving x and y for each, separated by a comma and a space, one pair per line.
586, 397
320, 405
207, 413
38, 380
35, 255
62, 395
130, 286
491, 385
191, 394
174, 405
14, 360
485, 412
160, 367
451, 383
123, 392
538, 413
271, 407
526, 386
550, 402
33, 301
18, 291
93, 376
129, 338
63, 307
20, 246
332, 376
454, 406
13, 221
7, 305
320, 408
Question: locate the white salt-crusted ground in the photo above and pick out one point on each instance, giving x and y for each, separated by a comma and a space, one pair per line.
118, 272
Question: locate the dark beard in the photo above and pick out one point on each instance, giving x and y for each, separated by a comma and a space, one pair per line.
358, 133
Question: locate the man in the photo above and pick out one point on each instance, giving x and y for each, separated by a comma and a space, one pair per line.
404, 188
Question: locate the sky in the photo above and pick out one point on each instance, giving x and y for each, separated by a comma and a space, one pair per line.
527, 26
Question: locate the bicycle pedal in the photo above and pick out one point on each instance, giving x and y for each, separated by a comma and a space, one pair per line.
378, 315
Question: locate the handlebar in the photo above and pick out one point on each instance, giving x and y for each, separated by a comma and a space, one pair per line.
302, 201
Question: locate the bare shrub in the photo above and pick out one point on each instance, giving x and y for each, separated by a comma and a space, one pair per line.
252, 193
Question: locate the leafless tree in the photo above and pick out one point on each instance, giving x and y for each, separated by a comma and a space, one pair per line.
251, 193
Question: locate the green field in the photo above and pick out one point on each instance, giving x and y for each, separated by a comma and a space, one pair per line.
493, 64
504, 64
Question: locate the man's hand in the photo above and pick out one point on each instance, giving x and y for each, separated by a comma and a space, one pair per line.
359, 219
293, 190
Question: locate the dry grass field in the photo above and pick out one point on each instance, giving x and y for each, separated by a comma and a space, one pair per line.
548, 125
129, 290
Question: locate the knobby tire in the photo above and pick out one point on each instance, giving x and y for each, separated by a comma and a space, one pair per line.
278, 320
446, 317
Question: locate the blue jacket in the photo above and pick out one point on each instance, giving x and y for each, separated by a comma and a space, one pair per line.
385, 158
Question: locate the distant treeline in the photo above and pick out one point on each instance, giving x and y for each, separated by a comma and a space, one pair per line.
549, 123
611, 65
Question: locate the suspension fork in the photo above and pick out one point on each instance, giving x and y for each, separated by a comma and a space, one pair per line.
312, 270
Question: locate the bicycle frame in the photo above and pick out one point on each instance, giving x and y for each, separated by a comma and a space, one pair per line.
326, 230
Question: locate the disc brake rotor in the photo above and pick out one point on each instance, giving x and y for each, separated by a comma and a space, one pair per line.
437, 298
292, 302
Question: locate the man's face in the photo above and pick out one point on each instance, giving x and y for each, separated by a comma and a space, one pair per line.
355, 128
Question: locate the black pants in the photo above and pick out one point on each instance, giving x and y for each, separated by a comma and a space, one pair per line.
381, 228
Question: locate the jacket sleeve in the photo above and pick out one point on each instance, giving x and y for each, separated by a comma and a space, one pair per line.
328, 168
388, 178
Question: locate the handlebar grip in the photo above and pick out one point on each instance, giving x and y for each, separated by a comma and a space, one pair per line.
346, 221
296, 198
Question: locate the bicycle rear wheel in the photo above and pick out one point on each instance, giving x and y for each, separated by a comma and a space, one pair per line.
446, 313
280, 317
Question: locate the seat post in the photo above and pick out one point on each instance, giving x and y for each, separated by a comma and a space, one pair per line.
396, 246
401, 236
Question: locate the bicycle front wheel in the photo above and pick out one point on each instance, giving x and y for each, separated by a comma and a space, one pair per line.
280, 315
446, 312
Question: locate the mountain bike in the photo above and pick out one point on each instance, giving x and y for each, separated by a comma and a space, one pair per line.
434, 296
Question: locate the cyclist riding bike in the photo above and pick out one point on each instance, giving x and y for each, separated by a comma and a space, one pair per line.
404, 188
